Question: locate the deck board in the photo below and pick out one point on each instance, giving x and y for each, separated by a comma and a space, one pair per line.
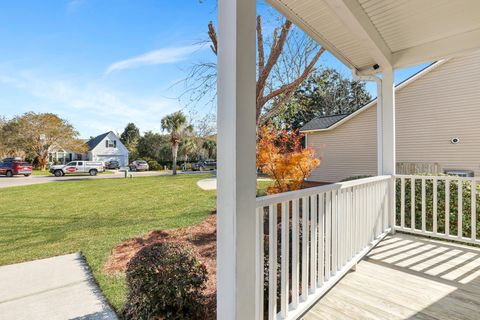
407, 277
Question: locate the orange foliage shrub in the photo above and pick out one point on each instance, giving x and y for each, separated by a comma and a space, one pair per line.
280, 156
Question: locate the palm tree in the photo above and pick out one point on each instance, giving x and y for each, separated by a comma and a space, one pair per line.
176, 125
210, 146
189, 145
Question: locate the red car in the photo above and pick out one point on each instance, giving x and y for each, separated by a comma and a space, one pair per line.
11, 168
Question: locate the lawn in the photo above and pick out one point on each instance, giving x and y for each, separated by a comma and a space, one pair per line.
93, 216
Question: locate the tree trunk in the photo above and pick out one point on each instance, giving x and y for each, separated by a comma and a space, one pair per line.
174, 153
42, 161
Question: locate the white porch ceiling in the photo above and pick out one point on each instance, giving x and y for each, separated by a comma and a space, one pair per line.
397, 33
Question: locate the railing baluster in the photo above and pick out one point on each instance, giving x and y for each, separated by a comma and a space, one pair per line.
304, 248
259, 263
435, 205
272, 262
447, 206
321, 239
328, 235
313, 243
460, 209
402, 203
424, 222
334, 231
473, 207
285, 260
412, 202
350, 223
341, 230
295, 253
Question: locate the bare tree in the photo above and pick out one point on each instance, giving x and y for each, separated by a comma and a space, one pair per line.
292, 56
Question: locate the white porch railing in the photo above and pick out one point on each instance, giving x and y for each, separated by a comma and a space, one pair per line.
308, 239
445, 207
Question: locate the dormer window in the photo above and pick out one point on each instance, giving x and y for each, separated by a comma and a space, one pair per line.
110, 143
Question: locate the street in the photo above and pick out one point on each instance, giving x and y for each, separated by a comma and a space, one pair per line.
25, 181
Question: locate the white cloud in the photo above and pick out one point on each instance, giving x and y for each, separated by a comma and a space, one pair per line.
93, 107
160, 56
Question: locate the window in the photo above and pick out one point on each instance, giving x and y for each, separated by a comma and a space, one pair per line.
80, 163
73, 164
110, 143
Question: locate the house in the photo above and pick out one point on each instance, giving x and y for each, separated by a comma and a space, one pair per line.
105, 147
289, 255
432, 136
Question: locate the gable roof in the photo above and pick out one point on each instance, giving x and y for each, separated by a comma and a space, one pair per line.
323, 122
320, 124
92, 143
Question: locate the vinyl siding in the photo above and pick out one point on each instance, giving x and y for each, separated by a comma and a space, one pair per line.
441, 105
349, 150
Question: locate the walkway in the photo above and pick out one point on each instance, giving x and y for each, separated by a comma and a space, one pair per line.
54, 288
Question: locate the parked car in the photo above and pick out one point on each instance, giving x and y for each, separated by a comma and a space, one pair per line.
139, 165
15, 167
204, 165
90, 167
114, 164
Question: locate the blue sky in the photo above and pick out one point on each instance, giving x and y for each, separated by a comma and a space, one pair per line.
104, 63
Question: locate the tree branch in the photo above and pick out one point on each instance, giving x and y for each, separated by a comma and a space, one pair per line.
294, 84
275, 52
287, 89
212, 34
261, 53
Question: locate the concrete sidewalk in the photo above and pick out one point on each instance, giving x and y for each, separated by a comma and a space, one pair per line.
54, 288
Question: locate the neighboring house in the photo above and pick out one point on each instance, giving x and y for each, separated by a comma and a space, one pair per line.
105, 147
59, 155
431, 135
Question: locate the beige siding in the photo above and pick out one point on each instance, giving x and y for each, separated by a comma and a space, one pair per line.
441, 105
349, 150
437, 107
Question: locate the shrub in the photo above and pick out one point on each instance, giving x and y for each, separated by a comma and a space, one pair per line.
165, 281
453, 206
280, 155
154, 165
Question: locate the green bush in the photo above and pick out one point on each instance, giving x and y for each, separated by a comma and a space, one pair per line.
165, 281
453, 206
154, 165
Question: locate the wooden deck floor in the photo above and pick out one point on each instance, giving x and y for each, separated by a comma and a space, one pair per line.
407, 277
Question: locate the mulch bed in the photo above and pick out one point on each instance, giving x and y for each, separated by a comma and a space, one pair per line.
202, 237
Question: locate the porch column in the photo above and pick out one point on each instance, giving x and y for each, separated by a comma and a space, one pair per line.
386, 136
386, 146
236, 189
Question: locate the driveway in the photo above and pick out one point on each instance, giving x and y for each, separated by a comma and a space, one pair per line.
25, 181
57, 288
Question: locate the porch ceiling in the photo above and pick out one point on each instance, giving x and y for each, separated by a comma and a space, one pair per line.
395, 33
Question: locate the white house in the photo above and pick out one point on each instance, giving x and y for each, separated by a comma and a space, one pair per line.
105, 147
431, 135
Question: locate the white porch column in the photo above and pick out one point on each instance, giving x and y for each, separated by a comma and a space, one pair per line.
386, 136
236, 160
386, 148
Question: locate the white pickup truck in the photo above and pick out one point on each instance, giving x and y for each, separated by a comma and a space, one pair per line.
90, 167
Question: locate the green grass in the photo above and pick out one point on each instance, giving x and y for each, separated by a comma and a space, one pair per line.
93, 216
